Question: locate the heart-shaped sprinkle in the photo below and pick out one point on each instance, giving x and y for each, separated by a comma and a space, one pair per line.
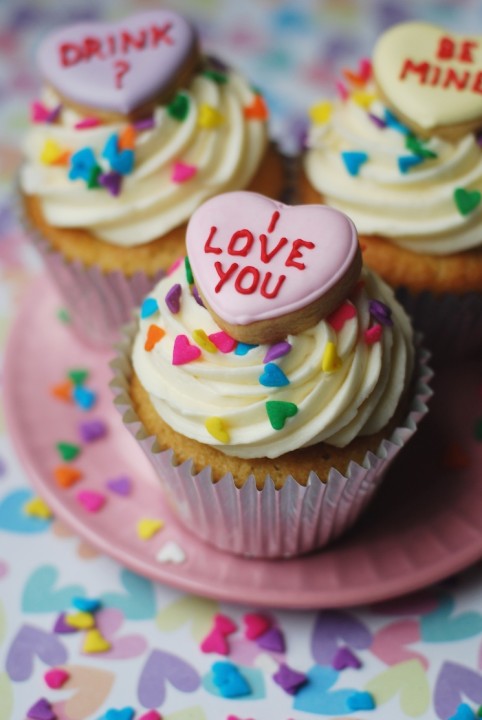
87, 123
407, 162
182, 172
171, 552
39, 113
217, 428
229, 681
392, 121
127, 138
120, 485
215, 642
353, 160
95, 642
119, 66
209, 117
36, 507
41, 710
373, 334
179, 107
173, 298
200, 337
380, 312
149, 307
344, 658
91, 430
219, 77
256, 625
279, 411
257, 109
244, 348
196, 296
84, 398
150, 715
466, 201
61, 627
146, 123
277, 350
112, 181
361, 701
183, 352
66, 476
321, 112
126, 713
416, 146
464, 712
68, 451
273, 376
290, 680
91, 500
222, 341
78, 376
56, 677
378, 121
330, 362
224, 624
80, 620
272, 640
62, 391
148, 527
188, 269
81, 164
53, 154
342, 91
363, 99
83, 604
341, 315
154, 335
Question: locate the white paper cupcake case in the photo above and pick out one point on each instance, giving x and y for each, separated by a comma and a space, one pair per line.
266, 523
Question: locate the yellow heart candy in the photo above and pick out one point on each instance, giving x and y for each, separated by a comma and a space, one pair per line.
147, 527
200, 337
362, 98
52, 153
321, 112
217, 428
80, 620
330, 360
209, 117
95, 642
36, 507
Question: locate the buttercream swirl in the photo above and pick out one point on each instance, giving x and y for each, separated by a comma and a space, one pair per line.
358, 398
224, 154
416, 208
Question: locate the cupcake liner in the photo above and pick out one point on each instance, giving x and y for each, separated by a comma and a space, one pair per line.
99, 303
266, 523
451, 323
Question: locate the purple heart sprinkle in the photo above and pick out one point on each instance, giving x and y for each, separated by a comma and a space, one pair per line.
112, 181
92, 430
53, 114
380, 312
121, 485
344, 658
290, 680
173, 298
61, 627
41, 710
378, 121
196, 296
145, 124
277, 351
272, 640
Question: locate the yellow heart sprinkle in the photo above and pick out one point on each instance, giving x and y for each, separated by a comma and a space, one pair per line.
53, 154
80, 620
209, 117
36, 507
363, 98
147, 527
200, 337
217, 428
321, 112
94, 642
330, 361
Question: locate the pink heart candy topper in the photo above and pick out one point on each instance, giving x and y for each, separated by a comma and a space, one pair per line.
117, 66
255, 259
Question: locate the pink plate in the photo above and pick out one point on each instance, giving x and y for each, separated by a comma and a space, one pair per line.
423, 526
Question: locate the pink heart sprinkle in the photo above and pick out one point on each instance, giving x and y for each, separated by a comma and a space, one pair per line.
88, 122
215, 642
373, 334
225, 625
339, 317
365, 69
181, 172
256, 625
92, 501
223, 341
342, 91
175, 265
56, 677
38, 112
183, 352
151, 715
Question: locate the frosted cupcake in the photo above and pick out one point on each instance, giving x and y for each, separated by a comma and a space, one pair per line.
399, 152
270, 380
134, 129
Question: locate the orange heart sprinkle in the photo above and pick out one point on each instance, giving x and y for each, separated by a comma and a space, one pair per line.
127, 138
257, 110
66, 476
154, 334
354, 79
62, 391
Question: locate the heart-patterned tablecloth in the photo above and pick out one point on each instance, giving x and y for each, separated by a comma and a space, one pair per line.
415, 657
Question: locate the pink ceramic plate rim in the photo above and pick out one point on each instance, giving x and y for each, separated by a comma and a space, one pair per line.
369, 567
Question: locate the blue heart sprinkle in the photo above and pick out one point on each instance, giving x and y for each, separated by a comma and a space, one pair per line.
243, 348
149, 307
273, 376
395, 123
361, 701
81, 164
126, 713
86, 604
463, 712
121, 162
111, 148
229, 681
408, 161
83, 397
353, 161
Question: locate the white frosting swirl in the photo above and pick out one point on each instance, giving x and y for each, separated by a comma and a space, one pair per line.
416, 209
150, 204
359, 398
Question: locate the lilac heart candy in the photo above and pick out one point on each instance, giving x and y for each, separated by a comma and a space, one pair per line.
41, 710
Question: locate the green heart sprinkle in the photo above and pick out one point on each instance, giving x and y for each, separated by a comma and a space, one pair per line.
92, 180
218, 77
67, 451
279, 411
189, 275
466, 200
78, 376
63, 316
179, 107
416, 146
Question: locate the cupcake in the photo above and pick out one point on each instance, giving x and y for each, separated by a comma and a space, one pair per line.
135, 128
398, 151
270, 379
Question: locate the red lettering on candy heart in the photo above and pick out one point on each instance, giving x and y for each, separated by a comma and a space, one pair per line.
295, 254
224, 276
244, 249
265, 255
208, 248
448, 49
